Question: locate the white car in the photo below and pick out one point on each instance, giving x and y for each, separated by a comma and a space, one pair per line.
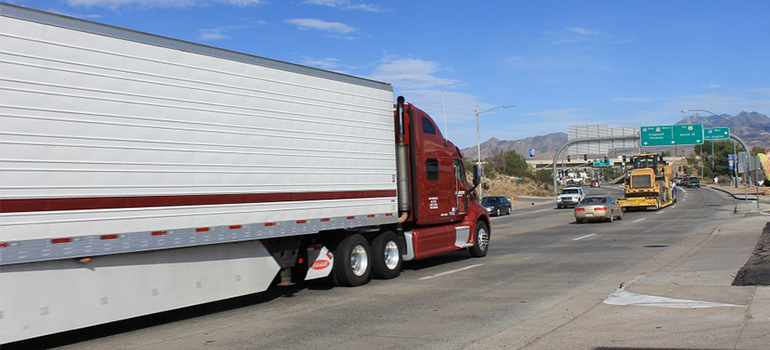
570, 197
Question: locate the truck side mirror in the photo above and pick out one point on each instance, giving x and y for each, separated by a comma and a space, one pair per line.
485, 186
476, 175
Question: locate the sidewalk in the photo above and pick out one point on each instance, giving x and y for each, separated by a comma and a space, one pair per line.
681, 299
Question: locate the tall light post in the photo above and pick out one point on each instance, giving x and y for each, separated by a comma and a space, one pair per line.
732, 124
478, 136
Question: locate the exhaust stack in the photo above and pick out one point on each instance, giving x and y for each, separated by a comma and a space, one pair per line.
402, 165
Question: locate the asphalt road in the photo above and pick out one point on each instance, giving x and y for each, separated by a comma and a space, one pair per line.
538, 258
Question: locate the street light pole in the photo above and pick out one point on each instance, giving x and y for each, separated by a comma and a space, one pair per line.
478, 139
734, 173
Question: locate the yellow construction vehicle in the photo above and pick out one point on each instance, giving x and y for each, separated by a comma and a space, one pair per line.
649, 184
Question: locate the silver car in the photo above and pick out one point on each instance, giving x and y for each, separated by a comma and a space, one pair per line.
601, 208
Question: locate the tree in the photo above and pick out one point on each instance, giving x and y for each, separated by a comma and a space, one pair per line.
721, 150
757, 150
509, 163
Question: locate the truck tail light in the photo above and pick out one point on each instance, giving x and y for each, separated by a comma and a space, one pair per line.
61, 240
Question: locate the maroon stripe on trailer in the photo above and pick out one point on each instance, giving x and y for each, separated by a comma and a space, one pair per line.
91, 203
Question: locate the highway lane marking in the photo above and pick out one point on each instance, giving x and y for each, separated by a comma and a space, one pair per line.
660, 212
450, 272
637, 220
529, 230
582, 237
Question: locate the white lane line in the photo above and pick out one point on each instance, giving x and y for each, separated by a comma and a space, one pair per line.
450, 272
582, 237
661, 212
637, 220
541, 210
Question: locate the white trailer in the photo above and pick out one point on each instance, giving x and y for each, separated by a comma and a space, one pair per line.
114, 142
140, 174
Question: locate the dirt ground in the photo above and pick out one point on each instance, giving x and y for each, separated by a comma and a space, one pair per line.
508, 187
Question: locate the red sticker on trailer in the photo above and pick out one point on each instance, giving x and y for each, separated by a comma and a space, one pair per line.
320, 264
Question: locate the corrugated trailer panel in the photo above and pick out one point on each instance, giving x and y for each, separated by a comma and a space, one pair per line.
97, 117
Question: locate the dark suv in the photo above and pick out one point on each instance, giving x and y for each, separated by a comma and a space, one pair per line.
496, 205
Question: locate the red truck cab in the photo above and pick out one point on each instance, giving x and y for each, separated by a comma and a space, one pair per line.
445, 213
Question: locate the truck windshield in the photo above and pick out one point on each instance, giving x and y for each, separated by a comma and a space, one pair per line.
570, 191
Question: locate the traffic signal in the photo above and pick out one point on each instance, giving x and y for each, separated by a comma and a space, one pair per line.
568, 158
624, 158
585, 157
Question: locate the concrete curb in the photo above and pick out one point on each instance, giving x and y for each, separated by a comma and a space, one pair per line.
740, 196
757, 268
535, 198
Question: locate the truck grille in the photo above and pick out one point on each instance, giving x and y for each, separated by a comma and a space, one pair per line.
641, 181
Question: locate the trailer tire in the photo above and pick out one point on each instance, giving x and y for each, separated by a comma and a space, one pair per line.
480, 241
386, 256
352, 263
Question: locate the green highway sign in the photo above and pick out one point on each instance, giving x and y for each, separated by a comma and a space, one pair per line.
602, 163
688, 134
716, 133
671, 135
659, 135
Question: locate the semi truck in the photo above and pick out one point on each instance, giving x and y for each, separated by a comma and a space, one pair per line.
140, 174
648, 185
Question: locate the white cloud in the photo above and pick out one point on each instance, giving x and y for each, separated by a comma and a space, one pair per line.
711, 86
328, 63
632, 99
761, 91
415, 73
114, 4
346, 5
217, 33
584, 31
317, 24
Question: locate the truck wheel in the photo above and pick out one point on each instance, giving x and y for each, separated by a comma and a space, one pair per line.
386, 257
480, 241
351, 265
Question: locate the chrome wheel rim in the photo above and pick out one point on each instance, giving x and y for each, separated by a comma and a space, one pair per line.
482, 237
359, 261
391, 255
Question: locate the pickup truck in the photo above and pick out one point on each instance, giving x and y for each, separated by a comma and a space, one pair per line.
693, 181
570, 196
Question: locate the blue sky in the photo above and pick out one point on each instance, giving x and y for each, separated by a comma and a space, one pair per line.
616, 62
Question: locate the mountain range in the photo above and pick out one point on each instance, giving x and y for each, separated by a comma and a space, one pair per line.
752, 127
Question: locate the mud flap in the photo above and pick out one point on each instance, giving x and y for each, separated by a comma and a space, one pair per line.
320, 262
